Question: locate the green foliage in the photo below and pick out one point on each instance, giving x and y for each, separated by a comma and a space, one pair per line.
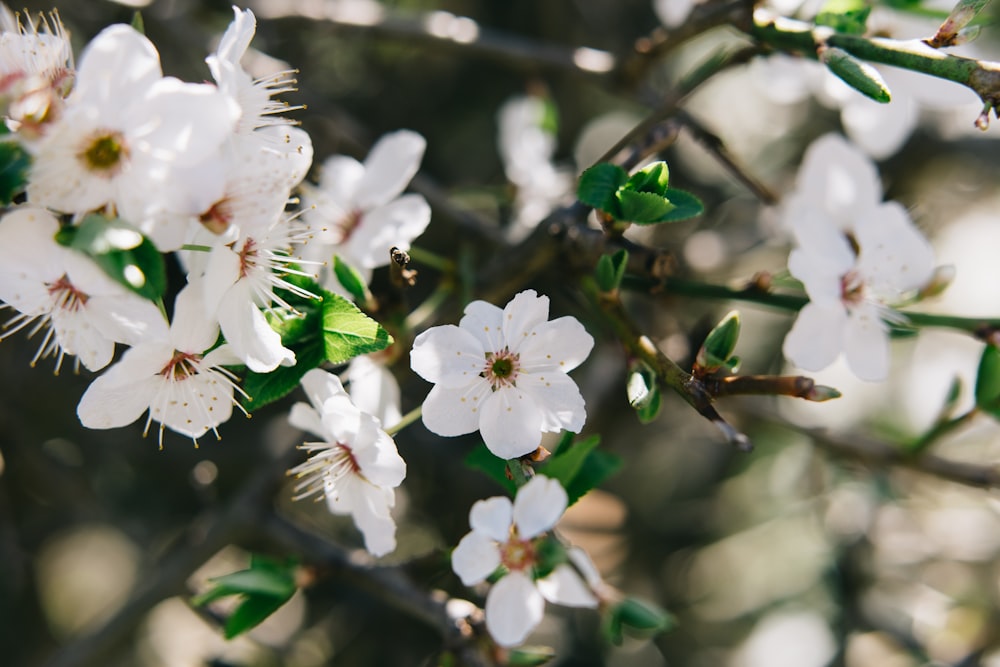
351, 280
643, 198
643, 392
137, 23
850, 16
610, 270
859, 75
328, 329
530, 656
121, 251
483, 460
264, 587
988, 382
580, 467
717, 350
639, 618
14, 165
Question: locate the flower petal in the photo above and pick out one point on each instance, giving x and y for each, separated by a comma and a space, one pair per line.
191, 330
369, 507
389, 167
510, 423
538, 506
377, 456
374, 389
303, 416
817, 337
248, 333
866, 344
484, 321
492, 517
559, 345
564, 586
475, 558
895, 257
455, 411
513, 608
395, 223
522, 314
448, 356
840, 177
557, 398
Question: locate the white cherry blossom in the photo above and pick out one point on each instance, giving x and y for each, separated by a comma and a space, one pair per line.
855, 255
82, 310
355, 466
124, 127
374, 388
507, 534
358, 211
174, 377
503, 372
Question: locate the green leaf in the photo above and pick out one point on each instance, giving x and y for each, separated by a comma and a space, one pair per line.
565, 466
121, 251
351, 280
137, 23
644, 617
719, 345
266, 388
611, 626
275, 582
642, 208
253, 611
550, 118
347, 332
650, 410
597, 467
686, 205
530, 656
850, 16
652, 178
599, 184
482, 459
14, 165
857, 74
580, 467
610, 270
988, 382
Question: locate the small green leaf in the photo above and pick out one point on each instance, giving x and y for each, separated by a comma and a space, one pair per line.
14, 165
275, 582
253, 611
596, 468
647, 619
686, 205
550, 117
530, 656
642, 208
650, 410
599, 184
611, 626
351, 280
857, 74
580, 467
610, 270
121, 251
565, 466
849, 16
652, 178
988, 382
137, 23
347, 332
482, 459
266, 388
719, 345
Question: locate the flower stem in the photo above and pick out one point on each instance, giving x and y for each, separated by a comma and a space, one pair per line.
407, 419
196, 248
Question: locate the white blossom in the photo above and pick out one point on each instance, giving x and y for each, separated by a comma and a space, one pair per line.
503, 372
358, 211
81, 309
355, 466
855, 255
507, 534
174, 377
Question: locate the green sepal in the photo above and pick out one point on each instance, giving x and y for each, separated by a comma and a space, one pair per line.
857, 74
122, 252
610, 270
988, 382
599, 184
15, 162
719, 345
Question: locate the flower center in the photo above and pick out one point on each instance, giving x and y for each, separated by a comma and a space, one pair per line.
66, 296
517, 554
181, 366
348, 224
852, 289
218, 217
105, 152
502, 368
248, 257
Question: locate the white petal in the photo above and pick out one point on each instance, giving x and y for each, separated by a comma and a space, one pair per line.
77, 334
895, 257
377, 456
448, 355
374, 389
485, 322
538, 506
513, 608
236, 40
559, 345
817, 337
840, 177
321, 385
455, 411
120, 396
222, 270
370, 510
510, 423
564, 586
389, 167
248, 333
184, 123
118, 64
821, 277
303, 416
339, 180
127, 318
557, 398
866, 344
475, 558
522, 314
191, 330
195, 405
492, 517
880, 129
395, 223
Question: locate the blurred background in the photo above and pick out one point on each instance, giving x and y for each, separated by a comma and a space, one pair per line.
794, 555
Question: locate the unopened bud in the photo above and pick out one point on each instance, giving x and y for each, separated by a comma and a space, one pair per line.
939, 281
820, 393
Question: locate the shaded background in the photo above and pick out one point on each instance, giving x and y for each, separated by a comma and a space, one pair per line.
791, 555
